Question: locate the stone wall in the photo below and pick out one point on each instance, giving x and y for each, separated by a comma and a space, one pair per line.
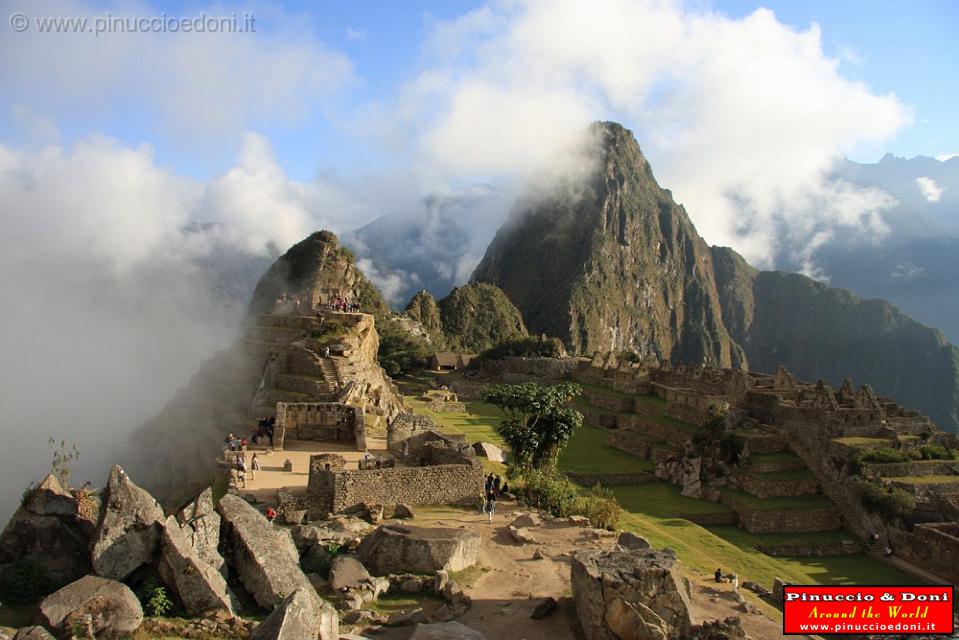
632, 443
768, 488
934, 547
610, 479
336, 491
916, 468
785, 521
321, 421
608, 401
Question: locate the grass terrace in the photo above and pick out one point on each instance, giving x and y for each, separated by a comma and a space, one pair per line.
778, 504
779, 457
588, 453
794, 474
924, 479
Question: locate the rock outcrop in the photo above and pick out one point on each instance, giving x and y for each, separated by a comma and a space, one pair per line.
197, 582
33, 633
408, 549
630, 595
299, 617
265, 560
281, 357
129, 529
424, 310
478, 316
101, 608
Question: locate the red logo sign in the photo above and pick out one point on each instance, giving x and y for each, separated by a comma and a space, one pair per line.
872, 610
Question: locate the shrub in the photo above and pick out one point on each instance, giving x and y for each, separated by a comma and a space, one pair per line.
934, 452
601, 507
888, 501
888, 454
24, 582
531, 347
400, 352
154, 598
547, 490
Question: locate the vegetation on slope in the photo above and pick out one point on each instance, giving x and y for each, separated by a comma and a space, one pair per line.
479, 316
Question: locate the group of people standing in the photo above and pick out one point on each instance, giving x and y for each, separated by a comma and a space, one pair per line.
342, 304
493, 488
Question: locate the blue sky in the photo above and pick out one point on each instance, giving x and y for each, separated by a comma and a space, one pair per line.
908, 49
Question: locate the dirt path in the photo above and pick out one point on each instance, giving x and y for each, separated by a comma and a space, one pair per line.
512, 582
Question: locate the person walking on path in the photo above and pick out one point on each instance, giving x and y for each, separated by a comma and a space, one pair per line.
490, 505
254, 467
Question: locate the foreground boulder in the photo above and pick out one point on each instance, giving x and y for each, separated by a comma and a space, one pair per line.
408, 549
445, 631
300, 616
51, 531
104, 609
129, 529
265, 560
201, 524
198, 584
339, 529
634, 595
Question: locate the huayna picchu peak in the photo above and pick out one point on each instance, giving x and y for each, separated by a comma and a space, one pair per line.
621, 267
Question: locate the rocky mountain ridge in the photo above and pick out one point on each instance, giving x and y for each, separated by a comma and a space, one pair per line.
623, 268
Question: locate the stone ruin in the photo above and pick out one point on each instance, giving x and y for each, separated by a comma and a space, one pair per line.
321, 422
427, 467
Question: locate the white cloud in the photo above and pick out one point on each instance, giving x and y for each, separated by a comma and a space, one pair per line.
946, 156
741, 118
108, 309
929, 189
213, 84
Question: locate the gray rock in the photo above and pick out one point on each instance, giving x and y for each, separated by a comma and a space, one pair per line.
399, 549
630, 594
200, 587
629, 540
778, 593
51, 499
106, 607
346, 572
526, 520
300, 616
59, 545
201, 524
264, 560
129, 529
546, 607
33, 633
404, 512
6, 635
405, 618
489, 451
445, 631
522, 536
340, 529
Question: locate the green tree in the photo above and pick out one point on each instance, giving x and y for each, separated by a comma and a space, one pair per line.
538, 422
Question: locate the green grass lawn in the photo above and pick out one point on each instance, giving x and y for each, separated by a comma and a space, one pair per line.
588, 453
778, 504
863, 441
747, 540
663, 500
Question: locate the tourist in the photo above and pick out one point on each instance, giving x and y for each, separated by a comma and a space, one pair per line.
490, 505
270, 515
326, 352
735, 581
254, 467
489, 483
718, 575
505, 487
379, 461
241, 468
496, 484
888, 551
227, 440
874, 538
